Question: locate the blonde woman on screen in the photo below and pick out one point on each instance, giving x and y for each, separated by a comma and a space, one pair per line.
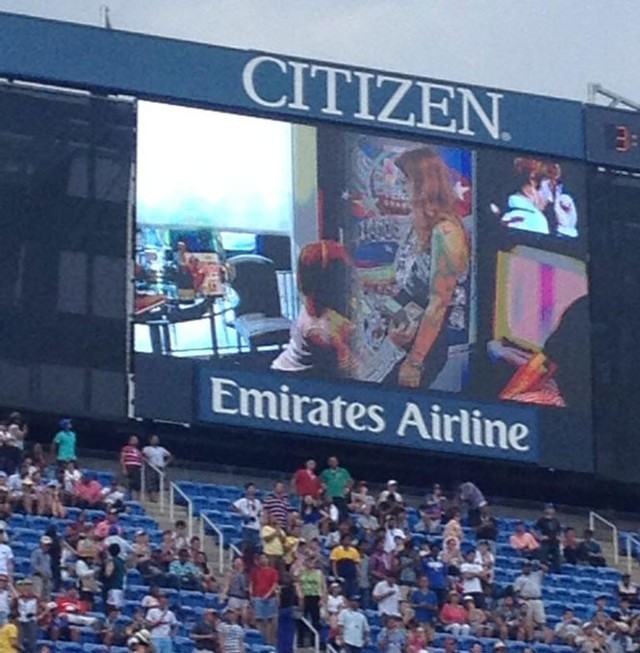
431, 262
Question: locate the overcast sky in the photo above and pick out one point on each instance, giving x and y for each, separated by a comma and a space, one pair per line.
551, 47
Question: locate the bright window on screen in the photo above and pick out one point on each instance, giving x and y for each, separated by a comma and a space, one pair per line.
207, 169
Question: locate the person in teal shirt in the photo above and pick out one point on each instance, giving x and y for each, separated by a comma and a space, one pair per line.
337, 482
64, 443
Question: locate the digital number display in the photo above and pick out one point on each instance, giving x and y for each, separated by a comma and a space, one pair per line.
613, 137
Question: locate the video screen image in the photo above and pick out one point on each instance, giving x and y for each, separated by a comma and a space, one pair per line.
329, 254
536, 198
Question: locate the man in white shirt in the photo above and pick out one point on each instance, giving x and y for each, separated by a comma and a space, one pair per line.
250, 509
386, 594
157, 458
6, 554
391, 493
162, 625
353, 627
472, 574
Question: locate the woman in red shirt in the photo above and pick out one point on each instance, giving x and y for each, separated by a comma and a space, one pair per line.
454, 616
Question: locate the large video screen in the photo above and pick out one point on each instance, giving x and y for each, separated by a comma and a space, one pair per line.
321, 258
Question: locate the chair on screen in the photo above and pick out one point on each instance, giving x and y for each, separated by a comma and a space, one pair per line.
258, 316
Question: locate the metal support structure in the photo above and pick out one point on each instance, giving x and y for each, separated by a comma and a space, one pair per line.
173, 490
597, 94
143, 483
205, 520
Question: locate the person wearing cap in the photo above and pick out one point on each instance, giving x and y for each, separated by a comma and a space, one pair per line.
392, 638
162, 624
112, 630
454, 617
549, 530
205, 632
231, 634
86, 571
353, 627
590, 551
566, 630
337, 483
471, 496
391, 493
63, 446
145, 642
508, 619
528, 588
618, 639
523, 541
41, 569
628, 590
499, 647
27, 609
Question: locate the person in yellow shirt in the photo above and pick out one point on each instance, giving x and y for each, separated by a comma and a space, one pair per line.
345, 559
9, 636
273, 541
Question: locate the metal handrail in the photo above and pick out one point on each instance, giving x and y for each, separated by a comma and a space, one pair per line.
173, 488
219, 533
629, 539
316, 634
593, 516
143, 482
234, 552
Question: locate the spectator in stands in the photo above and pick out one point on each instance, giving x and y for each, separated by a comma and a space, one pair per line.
336, 602
205, 632
311, 518
41, 570
360, 498
570, 546
114, 496
432, 511
162, 624
528, 588
179, 536
600, 608
273, 539
392, 638
235, 590
485, 557
454, 617
618, 640
391, 494
27, 609
487, 529
7, 594
6, 506
345, 559
9, 637
63, 447
424, 602
408, 563
453, 527
287, 601
88, 492
628, 590
337, 484
103, 527
112, 630
566, 631
353, 627
277, 504
471, 496
367, 522
184, 574
49, 622
387, 595
523, 541
312, 596
305, 482
39, 458
157, 458
113, 577
508, 619
250, 509
71, 478
86, 571
476, 618
263, 588
131, 460
209, 583
590, 551
6, 554
548, 528
472, 574
231, 635
452, 556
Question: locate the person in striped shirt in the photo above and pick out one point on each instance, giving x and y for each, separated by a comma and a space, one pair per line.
277, 504
131, 464
231, 634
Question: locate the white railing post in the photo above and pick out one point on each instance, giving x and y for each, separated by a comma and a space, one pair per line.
316, 634
161, 483
173, 489
593, 517
628, 547
630, 540
220, 534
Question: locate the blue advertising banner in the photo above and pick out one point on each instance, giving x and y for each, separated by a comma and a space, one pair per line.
367, 414
246, 81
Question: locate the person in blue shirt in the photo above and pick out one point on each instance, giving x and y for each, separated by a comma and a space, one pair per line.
63, 447
424, 602
392, 638
436, 571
